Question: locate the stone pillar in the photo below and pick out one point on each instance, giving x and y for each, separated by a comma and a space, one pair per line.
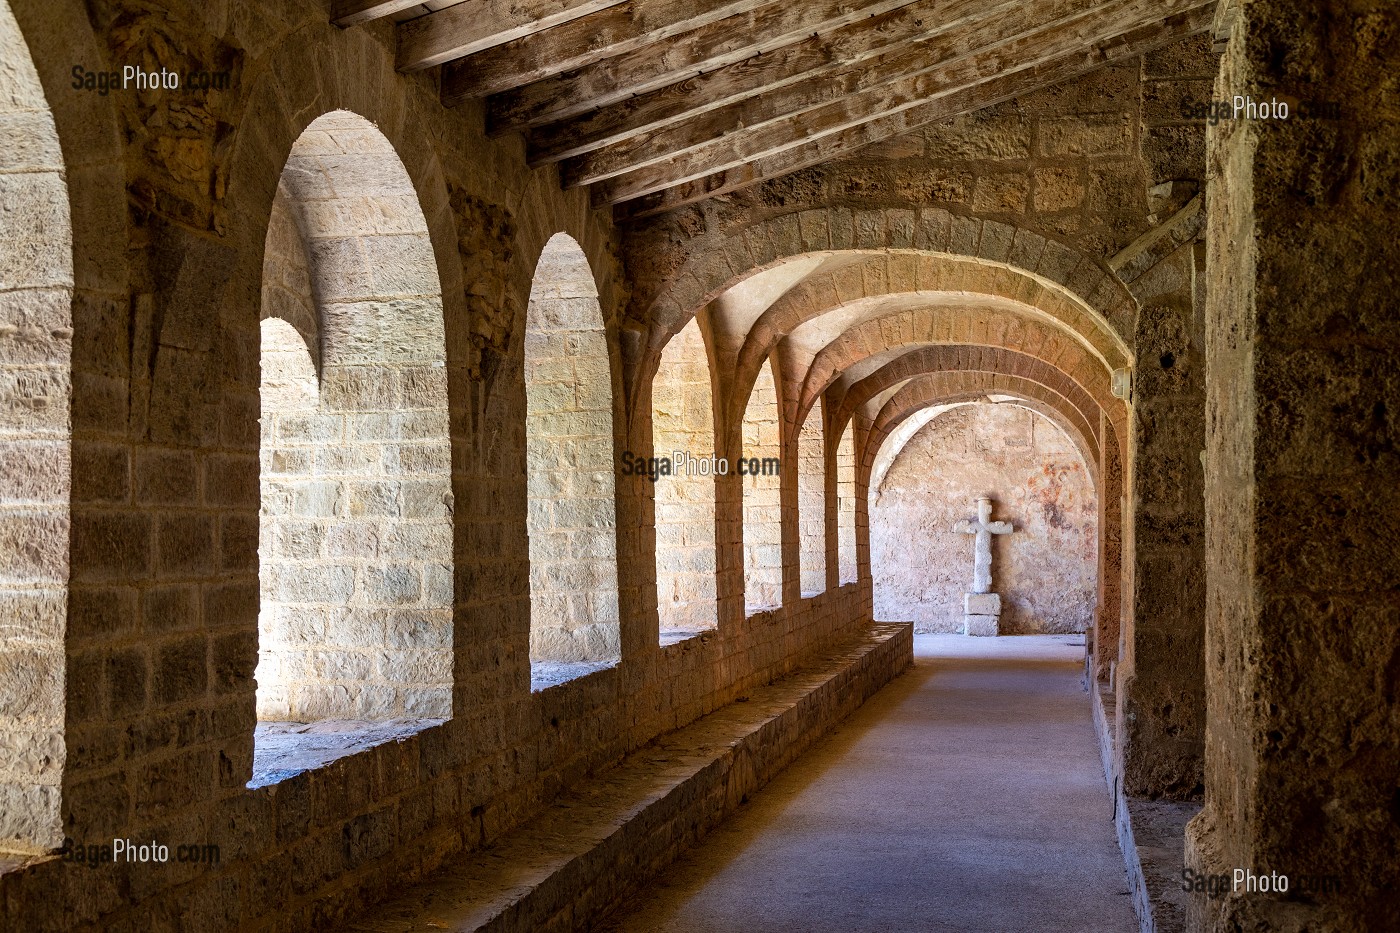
1302, 545
1108, 618
1161, 695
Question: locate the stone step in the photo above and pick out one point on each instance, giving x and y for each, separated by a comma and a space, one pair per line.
602, 841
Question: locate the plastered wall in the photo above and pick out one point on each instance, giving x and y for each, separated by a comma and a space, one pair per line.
1045, 572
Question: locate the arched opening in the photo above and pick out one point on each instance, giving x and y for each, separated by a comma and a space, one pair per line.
846, 506
36, 296
571, 476
683, 434
811, 503
355, 543
760, 471
929, 478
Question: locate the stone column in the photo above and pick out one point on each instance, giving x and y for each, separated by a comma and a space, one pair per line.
1110, 585
1302, 543
1161, 688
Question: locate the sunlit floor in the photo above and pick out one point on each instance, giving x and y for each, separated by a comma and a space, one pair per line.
966, 796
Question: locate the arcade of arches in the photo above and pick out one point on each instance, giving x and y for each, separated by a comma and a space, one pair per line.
448, 526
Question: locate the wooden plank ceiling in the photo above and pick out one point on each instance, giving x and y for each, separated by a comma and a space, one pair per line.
658, 103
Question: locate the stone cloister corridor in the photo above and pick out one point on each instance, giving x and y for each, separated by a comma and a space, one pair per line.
966, 796
694, 465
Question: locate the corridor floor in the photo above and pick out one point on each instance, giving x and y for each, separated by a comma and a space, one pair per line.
966, 796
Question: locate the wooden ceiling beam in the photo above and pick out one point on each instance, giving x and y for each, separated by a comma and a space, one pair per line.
617, 30
747, 33
908, 72
997, 90
847, 110
815, 55
355, 12
478, 25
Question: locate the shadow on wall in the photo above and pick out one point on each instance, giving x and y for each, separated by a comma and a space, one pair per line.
1046, 572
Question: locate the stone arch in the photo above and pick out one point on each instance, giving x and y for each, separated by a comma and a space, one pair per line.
898, 435
395, 107
922, 325
952, 386
1002, 254
863, 285
1032, 347
682, 399
36, 340
571, 477
955, 357
355, 553
285, 107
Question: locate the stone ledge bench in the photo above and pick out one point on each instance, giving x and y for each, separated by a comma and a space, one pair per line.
603, 840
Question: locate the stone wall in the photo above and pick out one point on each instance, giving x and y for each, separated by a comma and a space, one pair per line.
845, 511
1161, 672
1064, 162
763, 518
1046, 572
1104, 651
682, 413
1176, 89
570, 463
811, 503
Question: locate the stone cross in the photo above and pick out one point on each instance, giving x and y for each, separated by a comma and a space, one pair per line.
984, 528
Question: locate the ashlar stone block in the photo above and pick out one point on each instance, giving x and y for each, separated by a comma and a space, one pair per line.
982, 604
984, 626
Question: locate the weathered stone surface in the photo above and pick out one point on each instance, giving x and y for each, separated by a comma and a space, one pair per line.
982, 529
1161, 672
1300, 678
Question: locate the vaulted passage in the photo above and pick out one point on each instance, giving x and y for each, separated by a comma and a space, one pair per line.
456, 455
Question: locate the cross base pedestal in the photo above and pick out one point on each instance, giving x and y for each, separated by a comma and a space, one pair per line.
982, 614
